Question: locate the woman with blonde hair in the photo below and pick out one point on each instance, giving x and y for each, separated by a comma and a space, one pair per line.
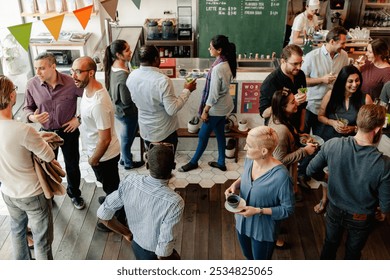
266, 186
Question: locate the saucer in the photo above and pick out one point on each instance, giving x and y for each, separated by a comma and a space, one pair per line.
239, 208
243, 130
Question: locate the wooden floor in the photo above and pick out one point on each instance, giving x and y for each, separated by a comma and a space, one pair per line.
206, 231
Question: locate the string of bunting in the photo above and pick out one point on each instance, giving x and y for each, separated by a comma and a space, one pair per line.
22, 32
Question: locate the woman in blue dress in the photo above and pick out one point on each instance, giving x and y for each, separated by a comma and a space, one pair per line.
266, 186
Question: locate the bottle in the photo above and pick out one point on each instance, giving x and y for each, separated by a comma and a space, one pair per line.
161, 52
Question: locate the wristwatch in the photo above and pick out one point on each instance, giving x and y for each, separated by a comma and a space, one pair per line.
79, 118
261, 211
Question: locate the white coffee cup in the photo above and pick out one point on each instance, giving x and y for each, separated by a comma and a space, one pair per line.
243, 125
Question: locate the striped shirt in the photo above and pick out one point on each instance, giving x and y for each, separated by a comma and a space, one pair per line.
153, 211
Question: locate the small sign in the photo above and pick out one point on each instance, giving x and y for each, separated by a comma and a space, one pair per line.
250, 97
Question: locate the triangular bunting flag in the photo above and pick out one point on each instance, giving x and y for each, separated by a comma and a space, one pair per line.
54, 25
137, 3
22, 33
84, 15
110, 6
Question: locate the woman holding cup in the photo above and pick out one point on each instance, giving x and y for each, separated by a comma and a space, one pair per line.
266, 187
338, 111
376, 68
340, 105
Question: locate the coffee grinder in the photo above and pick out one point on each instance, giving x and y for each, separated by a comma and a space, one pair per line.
184, 14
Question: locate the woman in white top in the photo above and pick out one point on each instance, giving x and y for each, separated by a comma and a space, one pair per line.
305, 23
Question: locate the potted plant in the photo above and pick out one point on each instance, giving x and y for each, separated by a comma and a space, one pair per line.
11, 56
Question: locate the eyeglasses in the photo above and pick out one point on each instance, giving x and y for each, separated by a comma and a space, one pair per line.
78, 71
296, 64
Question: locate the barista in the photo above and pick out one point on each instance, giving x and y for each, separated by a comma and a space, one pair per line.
306, 23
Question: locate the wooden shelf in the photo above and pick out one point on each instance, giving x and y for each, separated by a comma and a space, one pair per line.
377, 5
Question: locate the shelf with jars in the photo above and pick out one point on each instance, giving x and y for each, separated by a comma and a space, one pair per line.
375, 14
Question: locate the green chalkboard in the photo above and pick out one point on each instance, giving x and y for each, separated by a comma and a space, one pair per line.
255, 26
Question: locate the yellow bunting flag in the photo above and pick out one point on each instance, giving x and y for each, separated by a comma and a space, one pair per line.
22, 33
110, 6
54, 25
137, 3
84, 15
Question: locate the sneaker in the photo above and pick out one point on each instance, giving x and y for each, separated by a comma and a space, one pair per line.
101, 199
102, 227
187, 167
78, 202
136, 164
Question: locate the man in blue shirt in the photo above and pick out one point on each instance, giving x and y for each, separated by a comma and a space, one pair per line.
153, 210
359, 181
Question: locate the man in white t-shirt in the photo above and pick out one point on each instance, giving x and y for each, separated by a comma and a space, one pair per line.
97, 128
305, 23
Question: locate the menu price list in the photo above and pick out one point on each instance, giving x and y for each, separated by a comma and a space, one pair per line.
243, 7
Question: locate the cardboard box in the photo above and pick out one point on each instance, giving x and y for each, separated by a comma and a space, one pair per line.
168, 66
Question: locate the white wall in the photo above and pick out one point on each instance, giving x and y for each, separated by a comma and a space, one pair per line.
128, 13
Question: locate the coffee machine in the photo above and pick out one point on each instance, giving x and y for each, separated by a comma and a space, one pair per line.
336, 13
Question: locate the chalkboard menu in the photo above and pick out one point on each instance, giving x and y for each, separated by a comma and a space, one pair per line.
255, 26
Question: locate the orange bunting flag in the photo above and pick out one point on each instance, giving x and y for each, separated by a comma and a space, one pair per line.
110, 6
22, 33
84, 15
54, 25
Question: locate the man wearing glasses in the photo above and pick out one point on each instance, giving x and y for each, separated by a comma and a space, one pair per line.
98, 128
51, 100
152, 208
288, 75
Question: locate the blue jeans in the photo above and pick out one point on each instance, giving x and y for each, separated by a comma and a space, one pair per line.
129, 130
216, 124
142, 254
70, 150
35, 211
255, 250
358, 229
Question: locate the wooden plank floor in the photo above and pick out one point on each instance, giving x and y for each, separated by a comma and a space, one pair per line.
206, 230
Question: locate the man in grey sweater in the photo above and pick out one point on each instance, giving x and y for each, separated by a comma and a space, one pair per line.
359, 181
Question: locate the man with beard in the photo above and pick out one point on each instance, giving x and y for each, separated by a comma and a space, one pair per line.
51, 100
321, 67
97, 128
354, 193
288, 75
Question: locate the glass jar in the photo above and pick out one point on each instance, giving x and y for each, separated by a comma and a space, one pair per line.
152, 30
167, 30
